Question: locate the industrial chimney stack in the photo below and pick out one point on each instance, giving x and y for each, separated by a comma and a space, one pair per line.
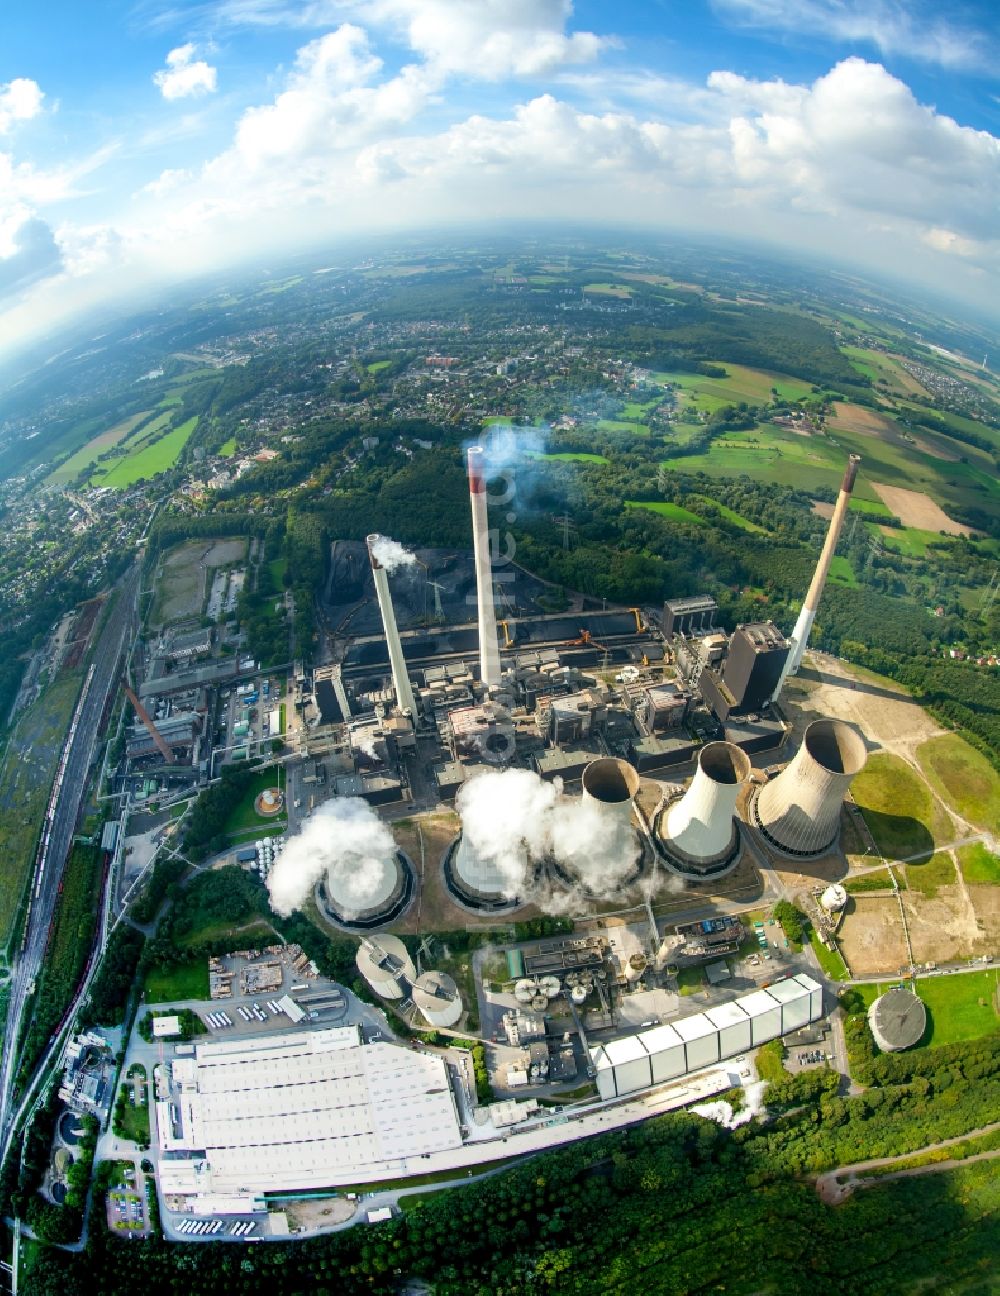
489, 648
400, 678
800, 635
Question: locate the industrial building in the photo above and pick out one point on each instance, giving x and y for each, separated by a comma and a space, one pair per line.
897, 1019
243, 1117
662, 1053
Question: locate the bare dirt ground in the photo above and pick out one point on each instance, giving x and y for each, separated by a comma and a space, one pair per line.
304, 1216
182, 575
915, 509
822, 509
855, 418
871, 935
946, 928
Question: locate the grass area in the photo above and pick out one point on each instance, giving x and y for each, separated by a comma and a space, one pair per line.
871, 507
26, 775
674, 512
182, 981
911, 542
690, 980
153, 458
569, 456
622, 425
731, 515
960, 1005
252, 935
979, 866
245, 816
377, 366
134, 1122
927, 878
831, 963
963, 778
608, 290
277, 568
903, 817
876, 365
228, 447
88, 453
968, 1147
638, 410
877, 880
842, 572
740, 384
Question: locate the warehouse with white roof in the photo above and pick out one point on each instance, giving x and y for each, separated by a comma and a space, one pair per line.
299, 1110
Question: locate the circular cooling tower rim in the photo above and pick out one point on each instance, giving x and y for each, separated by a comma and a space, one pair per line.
836, 746
610, 780
463, 893
724, 762
380, 911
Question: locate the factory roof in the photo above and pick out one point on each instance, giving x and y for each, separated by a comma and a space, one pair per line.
758, 1003
556, 759
164, 1027
763, 636
726, 1014
787, 991
694, 1028
695, 603
629, 1049
660, 1038
304, 1109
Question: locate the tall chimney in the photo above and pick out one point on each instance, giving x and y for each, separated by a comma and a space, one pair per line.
489, 648
800, 635
400, 679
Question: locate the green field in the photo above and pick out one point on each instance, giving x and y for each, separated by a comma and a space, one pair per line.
964, 779
876, 365
228, 447
622, 425
960, 1006
740, 384
979, 866
674, 512
608, 289
88, 454
909, 541
842, 572
182, 981
377, 366
639, 410
570, 456
903, 817
872, 507
927, 878
832, 964
245, 816
731, 515
277, 568
147, 461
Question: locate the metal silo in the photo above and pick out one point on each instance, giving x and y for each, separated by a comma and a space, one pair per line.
386, 965
799, 811
701, 829
437, 997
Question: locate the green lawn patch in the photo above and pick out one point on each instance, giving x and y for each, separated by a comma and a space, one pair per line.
377, 366
622, 425
277, 568
690, 980
830, 961
140, 464
963, 778
872, 507
569, 456
608, 290
245, 816
903, 817
665, 509
228, 447
187, 980
731, 515
927, 878
88, 454
842, 572
960, 1005
910, 541
979, 866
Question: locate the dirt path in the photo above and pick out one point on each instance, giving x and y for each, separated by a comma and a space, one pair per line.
836, 1185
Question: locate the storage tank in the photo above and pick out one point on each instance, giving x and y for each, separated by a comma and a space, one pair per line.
798, 812
386, 965
525, 990
833, 898
549, 987
437, 997
700, 832
765, 1016
897, 1019
733, 1026
701, 1040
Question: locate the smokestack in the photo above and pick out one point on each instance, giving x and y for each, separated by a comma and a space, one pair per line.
799, 811
700, 828
489, 649
800, 635
400, 679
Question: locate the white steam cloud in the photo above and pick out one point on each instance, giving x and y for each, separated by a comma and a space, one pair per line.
391, 554
345, 842
506, 446
513, 820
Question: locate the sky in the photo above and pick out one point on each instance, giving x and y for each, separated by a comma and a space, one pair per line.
144, 141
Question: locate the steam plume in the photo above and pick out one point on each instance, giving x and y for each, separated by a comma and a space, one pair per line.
345, 841
391, 554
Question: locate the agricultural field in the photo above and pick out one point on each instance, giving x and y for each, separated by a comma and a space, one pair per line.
909, 541
228, 447
622, 425
914, 509
145, 461
980, 867
622, 291
89, 453
901, 814
697, 391
569, 456
26, 775
964, 779
928, 878
673, 512
880, 367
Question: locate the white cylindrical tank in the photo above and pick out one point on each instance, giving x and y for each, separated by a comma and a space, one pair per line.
437, 997
549, 987
386, 965
578, 994
833, 898
612, 784
799, 811
635, 965
701, 826
525, 991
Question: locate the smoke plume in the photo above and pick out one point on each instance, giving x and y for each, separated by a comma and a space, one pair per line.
391, 554
344, 841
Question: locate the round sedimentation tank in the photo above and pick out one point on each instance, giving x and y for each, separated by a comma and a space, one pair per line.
386, 965
798, 812
834, 898
367, 898
525, 991
476, 879
897, 1019
578, 993
436, 995
699, 833
612, 784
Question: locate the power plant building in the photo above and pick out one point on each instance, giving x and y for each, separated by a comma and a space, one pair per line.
688, 615
764, 1011
701, 1040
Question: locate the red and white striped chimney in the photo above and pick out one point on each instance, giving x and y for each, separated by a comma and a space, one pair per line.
489, 647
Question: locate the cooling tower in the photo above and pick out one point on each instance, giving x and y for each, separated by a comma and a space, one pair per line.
400, 678
799, 811
489, 647
477, 879
700, 830
363, 900
612, 784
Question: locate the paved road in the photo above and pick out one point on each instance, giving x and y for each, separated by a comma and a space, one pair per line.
79, 755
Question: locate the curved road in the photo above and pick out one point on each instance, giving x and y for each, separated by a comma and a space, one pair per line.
79, 755
832, 1190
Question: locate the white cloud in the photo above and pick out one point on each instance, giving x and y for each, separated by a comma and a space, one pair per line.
945, 240
20, 100
184, 75
913, 30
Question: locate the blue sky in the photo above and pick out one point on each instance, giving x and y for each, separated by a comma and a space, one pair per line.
144, 140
